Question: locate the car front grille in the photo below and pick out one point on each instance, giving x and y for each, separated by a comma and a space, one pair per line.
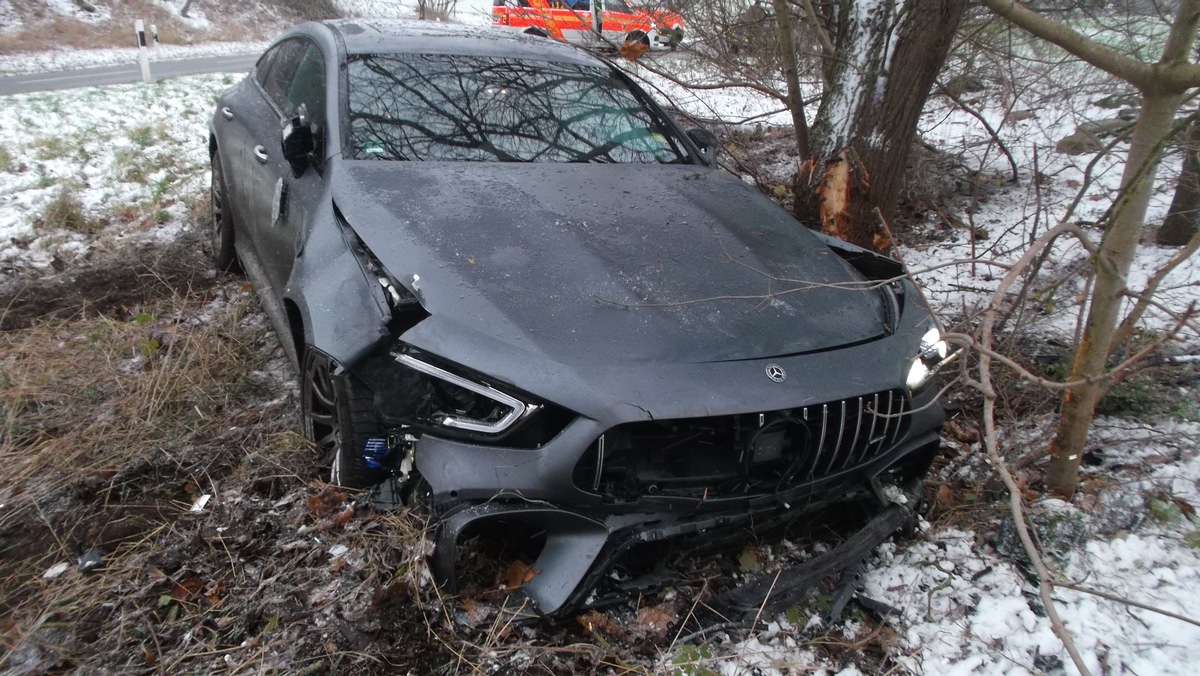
725, 456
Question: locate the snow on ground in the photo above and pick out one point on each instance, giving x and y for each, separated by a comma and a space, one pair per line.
196, 18
967, 608
1007, 221
134, 156
8, 16
72, 10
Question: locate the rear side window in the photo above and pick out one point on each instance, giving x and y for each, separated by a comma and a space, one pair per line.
283, 68
264, 66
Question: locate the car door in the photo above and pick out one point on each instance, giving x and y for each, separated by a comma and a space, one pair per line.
264, 167
238, 107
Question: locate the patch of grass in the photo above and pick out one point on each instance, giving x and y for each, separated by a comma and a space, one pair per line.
143, 135
52, 148
136, 164
65, 212
6, 160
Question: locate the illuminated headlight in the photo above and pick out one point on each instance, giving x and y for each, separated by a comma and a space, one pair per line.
438, 398
931, 356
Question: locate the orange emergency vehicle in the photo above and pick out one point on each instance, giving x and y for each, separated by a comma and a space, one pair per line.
576, 21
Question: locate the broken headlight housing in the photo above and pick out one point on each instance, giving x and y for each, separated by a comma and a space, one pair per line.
420, 393
931, 356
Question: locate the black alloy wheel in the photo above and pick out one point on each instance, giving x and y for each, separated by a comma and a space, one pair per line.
339, 419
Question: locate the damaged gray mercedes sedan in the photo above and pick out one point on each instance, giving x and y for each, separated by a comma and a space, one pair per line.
520, 296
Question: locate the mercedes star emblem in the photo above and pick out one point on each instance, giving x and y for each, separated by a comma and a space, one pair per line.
775, 372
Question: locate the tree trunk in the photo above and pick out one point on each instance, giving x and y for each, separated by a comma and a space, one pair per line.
888, 54
187, 4
1183, 219
1116, 254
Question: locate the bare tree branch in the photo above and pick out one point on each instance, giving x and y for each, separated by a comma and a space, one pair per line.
1016, 175
1144, 298
810, 16
1100, 56
1128, 602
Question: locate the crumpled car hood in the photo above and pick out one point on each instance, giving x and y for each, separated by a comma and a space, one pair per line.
595, 262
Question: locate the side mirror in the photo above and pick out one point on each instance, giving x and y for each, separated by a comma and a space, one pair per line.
299, 142
707, 143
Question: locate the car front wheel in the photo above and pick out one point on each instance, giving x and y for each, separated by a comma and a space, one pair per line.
340, 419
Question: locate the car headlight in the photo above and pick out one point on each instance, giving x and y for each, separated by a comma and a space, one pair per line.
452, 401
931, 356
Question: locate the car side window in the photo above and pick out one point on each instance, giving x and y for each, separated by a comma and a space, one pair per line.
264, 66
308, 87
283, 71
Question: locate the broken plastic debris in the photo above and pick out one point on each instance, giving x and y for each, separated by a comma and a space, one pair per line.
56, 570
90, 560
198, 505
338, 550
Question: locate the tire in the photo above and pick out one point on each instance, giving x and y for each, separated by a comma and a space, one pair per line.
220, 230
339, 418
638, 36
536, 32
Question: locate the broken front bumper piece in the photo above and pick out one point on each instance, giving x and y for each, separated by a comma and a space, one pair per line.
581, 546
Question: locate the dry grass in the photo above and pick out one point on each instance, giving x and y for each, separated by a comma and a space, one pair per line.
64, 212
233, 20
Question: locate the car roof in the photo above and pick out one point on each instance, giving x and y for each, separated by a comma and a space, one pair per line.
389, 36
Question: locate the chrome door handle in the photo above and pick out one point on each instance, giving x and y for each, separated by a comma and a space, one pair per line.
227, 113
260, 154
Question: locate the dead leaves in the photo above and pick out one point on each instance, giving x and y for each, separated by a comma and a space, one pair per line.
330, 509
516, 574
596, 622
750, 560
650, 623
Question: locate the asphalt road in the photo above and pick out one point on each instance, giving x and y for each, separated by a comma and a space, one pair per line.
123, 74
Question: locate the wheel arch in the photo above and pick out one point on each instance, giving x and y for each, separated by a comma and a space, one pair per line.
295, 325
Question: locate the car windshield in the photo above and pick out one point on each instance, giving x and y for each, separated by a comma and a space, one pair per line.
439, 107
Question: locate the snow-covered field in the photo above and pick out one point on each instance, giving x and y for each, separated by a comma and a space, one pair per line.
134, 158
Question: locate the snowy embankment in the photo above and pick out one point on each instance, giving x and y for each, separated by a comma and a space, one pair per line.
96, 169
134, 159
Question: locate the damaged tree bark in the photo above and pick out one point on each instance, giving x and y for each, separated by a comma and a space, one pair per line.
888, 53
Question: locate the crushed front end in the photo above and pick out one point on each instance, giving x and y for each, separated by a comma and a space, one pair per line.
649, 453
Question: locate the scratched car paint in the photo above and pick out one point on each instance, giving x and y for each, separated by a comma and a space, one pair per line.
518, 294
